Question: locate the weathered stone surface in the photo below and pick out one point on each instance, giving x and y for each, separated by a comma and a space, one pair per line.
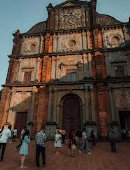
74, 43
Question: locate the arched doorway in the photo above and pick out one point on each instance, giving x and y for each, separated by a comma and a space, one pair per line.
71, 117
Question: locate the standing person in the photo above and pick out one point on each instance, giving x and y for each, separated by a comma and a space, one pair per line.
24, 148
129, 135
78, 137
93, 138
6, 134
72, 145
85, 142
40, 147
63, 136
58, 139
124, 134
112, 139
22, 133
14, 134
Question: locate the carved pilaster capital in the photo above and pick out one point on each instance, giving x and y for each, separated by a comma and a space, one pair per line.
84, 34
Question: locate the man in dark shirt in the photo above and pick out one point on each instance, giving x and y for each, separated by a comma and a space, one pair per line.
112, 138
40, 146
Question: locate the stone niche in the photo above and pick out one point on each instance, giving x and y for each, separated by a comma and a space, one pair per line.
30, 46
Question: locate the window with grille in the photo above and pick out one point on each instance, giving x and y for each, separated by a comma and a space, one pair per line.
70, 75
27, 76
119, 71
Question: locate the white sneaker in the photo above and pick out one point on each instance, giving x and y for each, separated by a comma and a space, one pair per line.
89, 153
79, 151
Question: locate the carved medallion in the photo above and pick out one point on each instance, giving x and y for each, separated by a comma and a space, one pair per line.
30, 47
114, 40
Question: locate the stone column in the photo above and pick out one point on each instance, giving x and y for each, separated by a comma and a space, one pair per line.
55, 105
86, 105
33, 103
49, 106
50, 127
41, 46
56, 19
124, 33
53, 68
84, 40
93, 105
54, 43
36, 69
89, 64
17, 77
88, 39
112, 105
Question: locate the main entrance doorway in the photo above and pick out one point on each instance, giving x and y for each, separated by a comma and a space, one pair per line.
71, 118
21, 121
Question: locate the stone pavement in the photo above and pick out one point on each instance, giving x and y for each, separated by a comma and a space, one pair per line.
101, 158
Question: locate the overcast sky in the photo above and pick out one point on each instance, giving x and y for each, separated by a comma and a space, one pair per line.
23, 14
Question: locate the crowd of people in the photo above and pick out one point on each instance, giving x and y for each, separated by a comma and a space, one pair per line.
76, 140
6, 135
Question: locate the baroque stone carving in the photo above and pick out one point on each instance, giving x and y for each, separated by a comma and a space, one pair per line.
70, 42
70, 18
114, 40
30, 46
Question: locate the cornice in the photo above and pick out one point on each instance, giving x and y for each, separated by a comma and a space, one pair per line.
92, 51
78, 30
90, 80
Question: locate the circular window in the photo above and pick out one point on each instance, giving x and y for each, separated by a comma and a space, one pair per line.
72, 43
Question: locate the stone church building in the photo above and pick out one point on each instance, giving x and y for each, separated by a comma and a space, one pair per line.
71, 71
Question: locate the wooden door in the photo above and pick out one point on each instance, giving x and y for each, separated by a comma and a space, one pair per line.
71, 114
21, 121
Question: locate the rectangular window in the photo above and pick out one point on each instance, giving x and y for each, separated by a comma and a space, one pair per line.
27, 76
70, 75
119, 71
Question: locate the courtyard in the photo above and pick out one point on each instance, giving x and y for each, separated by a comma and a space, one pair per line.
101, 158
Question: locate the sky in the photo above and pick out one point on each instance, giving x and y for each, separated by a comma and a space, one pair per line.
23, 14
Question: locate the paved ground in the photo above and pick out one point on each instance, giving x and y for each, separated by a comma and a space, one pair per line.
101, 158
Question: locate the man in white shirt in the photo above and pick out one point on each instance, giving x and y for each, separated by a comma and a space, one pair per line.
85, 142
6, 134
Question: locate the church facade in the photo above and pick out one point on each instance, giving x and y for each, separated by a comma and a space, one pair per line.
71, 71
